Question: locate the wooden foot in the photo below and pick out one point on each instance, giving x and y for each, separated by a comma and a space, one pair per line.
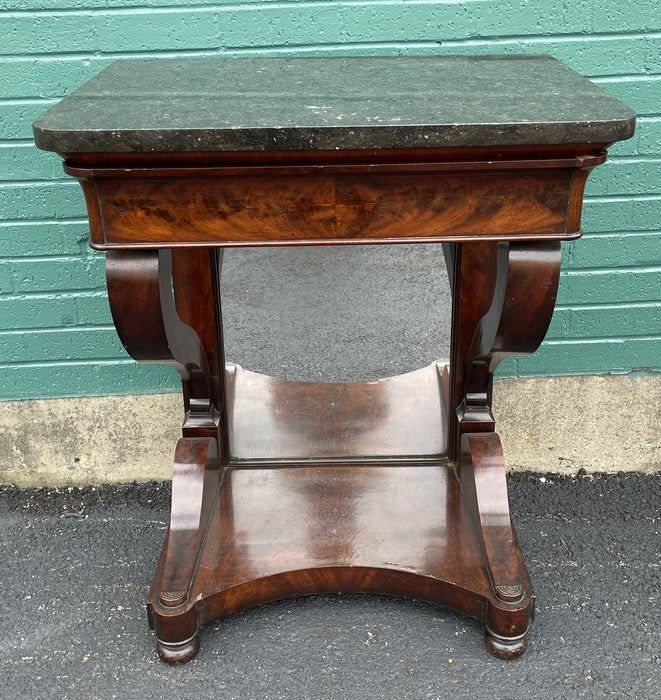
178, 652
505, 647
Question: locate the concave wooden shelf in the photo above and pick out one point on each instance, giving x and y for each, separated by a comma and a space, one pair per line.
282, 420
336, 524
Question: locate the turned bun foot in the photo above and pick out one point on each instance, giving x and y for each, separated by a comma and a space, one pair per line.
506, 647
178, 652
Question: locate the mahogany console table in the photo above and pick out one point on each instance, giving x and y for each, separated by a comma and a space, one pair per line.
283, 488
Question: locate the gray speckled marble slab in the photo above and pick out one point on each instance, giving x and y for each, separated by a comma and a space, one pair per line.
218, 104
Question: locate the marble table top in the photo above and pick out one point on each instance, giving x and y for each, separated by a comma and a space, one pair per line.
230, 104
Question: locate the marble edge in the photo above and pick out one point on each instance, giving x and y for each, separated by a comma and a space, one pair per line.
333, 138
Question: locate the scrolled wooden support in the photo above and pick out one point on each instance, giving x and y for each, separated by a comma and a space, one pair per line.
479, 365
533, 273
135, 302
195, 477
146, 319
524, 293
504, 295
482, 477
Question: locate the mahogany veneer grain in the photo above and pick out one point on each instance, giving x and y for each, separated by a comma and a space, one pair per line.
288, 532
335, 202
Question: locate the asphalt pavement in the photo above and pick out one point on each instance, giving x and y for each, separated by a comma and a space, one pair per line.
77, 563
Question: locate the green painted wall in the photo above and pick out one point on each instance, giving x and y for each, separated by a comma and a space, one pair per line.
56, 335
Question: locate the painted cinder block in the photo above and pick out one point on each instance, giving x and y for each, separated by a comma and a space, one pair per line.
46, 77
17, 115
617, 321
646, 141
625, 248
650, 136
26, 239
55, 310
630, 176
620, 355
85, 378
641, 93
53, 307
621, 213
22, 161
63, 274
36, 201
135, 30
610, 286
59, 344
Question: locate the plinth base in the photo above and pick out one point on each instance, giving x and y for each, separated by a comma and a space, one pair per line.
357, 496
293, 531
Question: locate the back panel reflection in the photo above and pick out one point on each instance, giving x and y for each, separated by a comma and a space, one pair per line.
336, 313
314, 321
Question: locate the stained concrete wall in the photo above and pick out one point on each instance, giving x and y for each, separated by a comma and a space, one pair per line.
557, 424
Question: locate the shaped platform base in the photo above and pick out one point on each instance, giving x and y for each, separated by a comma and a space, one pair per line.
288, 532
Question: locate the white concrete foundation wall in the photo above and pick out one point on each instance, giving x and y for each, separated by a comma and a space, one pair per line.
547, 425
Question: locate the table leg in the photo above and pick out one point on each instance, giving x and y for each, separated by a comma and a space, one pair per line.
155, 328
503, 298
483, 485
